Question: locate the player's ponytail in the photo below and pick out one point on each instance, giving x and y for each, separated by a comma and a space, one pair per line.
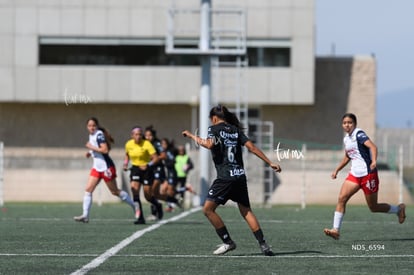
223, 113
109, 139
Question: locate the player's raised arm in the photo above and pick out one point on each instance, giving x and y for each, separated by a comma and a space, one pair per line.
206, 143
259, 153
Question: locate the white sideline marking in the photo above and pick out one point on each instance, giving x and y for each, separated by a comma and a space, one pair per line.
115, 249
228, 220
280, 255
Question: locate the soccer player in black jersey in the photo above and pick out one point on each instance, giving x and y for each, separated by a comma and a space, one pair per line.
159, 173
225, 139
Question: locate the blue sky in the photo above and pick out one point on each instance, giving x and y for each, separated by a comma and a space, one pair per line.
363, 27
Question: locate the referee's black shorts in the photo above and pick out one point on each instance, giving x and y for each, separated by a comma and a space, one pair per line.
145, 177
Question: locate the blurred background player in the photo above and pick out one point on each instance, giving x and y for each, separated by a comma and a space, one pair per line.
142, 156
99, 145
158, 171
170, 184
183, 165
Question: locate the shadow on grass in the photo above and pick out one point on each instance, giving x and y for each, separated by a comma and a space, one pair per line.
298, 252
281, 253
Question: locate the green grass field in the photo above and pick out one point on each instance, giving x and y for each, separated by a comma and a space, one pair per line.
43, 239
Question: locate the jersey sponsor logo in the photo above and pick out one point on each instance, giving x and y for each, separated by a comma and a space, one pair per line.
237, 172
226, 135
229, 142
352, 153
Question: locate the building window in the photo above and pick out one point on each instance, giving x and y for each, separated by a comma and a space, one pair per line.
124, 55
141, 52
268, 57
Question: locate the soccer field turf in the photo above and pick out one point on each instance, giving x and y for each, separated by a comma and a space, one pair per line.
40, 238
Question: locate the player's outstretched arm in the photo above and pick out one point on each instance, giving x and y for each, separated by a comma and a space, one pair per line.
206, 143
259, 153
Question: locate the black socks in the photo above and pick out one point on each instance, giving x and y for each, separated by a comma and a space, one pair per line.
259, 236
224, 235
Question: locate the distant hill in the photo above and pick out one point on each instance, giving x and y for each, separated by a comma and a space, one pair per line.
396, 109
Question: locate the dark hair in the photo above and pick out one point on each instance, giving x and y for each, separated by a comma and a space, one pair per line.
170, 146
351, 116
223, 113
108, 137
168, 142
152, 130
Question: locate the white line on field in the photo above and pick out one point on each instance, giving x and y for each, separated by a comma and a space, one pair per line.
382, 222
278, 255
115, 249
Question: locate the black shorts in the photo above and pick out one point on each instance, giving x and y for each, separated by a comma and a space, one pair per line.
223, 190
159, 173
145, 177
181, 181
172, 177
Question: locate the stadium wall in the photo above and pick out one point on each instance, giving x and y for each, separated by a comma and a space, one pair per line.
60, 175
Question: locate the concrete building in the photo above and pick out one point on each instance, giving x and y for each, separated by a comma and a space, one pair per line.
64, 61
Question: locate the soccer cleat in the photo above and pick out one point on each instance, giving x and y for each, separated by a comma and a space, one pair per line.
151, 218
333, 233
224, 248
401, 213
81, 219
266, 250
139, 221
153, 210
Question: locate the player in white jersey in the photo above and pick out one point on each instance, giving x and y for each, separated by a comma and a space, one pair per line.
362, 153
99, 145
